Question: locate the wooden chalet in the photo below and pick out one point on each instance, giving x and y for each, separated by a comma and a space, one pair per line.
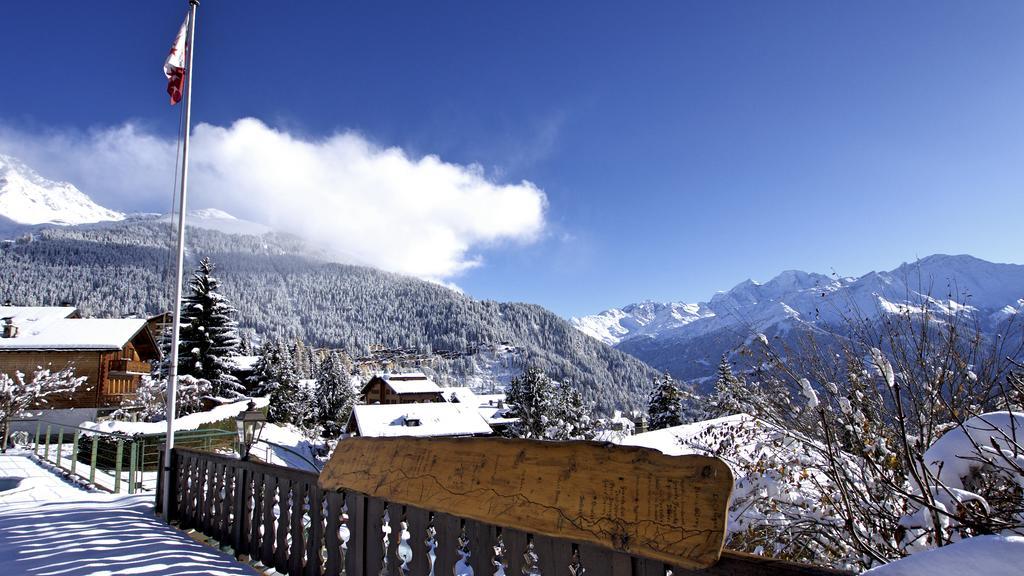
408, 388
112, 354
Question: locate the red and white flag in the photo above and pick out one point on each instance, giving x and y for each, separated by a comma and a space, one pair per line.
174, 67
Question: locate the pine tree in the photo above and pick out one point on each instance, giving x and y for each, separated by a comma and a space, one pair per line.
335, 396
208, 334
530, 399
731, 394
666, 405
571, 419
274, 376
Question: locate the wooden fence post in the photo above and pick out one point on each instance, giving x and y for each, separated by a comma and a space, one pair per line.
74, 452
132, 466
117, 466
92, 459
60, 445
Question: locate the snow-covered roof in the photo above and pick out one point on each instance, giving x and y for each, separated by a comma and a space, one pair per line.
411, 383
434, 419
464, 394
36, 317
491, 399
49, 328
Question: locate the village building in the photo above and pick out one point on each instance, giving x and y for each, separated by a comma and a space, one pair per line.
460, 394
112, 354
407, 388
421, 420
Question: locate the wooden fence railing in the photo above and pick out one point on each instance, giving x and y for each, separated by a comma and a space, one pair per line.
281, 518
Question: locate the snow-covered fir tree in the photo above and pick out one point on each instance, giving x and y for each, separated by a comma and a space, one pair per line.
208, 335
547, 409
531, 399
571, 419
274, 376
666, 406
335, 396
731, 394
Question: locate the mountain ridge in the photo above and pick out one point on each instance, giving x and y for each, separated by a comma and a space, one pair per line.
989, 291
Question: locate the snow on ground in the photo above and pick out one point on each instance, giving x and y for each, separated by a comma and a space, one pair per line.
286, 446
50, 526
190, 422
686, 439
981, 555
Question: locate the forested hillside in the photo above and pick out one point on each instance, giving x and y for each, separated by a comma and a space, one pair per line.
281, 291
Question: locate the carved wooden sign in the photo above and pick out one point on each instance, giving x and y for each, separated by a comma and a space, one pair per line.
636, 500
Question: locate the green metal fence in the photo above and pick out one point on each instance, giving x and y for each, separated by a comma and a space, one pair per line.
115, 461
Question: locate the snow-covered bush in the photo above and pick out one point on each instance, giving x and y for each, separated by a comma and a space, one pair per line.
150, 401
876, 410
18, 394
783, 504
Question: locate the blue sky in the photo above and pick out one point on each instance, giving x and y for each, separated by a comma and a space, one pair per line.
681, 147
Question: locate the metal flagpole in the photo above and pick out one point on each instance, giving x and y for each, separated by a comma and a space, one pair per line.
172, 375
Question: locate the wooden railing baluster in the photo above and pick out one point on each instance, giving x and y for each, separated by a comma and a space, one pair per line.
648, 567
332, 538
418, 521
448, 528
396, 516
596, 561
482, 539
297, 547
357, 524
315, 553
283, 525
267, 552
374, 547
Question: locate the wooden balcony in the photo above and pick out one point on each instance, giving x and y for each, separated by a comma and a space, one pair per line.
287, 520
124, 368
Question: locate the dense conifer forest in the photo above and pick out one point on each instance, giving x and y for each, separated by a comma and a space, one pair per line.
282, 289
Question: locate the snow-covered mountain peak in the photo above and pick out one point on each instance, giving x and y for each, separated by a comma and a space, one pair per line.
642, 318
665, 333
28, 198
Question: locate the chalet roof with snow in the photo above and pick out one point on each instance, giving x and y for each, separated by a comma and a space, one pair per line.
407, 383
423, 420
63, 328
464, 395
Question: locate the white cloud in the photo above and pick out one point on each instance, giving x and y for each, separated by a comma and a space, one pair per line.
368, 204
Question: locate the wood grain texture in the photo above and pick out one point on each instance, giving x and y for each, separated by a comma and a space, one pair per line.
630, 499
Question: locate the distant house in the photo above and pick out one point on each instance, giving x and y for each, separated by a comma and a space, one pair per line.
423, 420
493, 408
460, 394
112, 354
408, 388
615, 429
